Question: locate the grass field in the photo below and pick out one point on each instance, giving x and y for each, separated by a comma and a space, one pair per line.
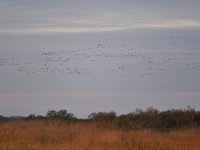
48, 135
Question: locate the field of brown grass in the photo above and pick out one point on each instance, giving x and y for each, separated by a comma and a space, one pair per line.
48, 135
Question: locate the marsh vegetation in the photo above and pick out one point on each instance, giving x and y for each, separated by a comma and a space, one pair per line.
139, 130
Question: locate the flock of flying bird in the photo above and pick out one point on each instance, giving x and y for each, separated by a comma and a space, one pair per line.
102, 59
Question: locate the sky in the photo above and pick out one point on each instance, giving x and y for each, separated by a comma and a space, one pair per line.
89, 56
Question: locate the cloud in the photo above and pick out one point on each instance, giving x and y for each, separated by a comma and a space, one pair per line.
43, 94
188, 94
95, 28
50, 30
12, 95
95, 16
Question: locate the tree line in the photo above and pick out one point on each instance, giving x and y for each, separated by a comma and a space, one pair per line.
150, 118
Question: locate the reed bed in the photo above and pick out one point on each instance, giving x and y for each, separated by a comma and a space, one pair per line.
57, 135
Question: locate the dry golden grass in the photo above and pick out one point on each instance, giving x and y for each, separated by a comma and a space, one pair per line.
46, 135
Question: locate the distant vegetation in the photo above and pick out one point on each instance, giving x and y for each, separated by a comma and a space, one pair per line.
149, 119
12, 118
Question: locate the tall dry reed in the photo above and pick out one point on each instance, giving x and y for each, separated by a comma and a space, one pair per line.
57, 135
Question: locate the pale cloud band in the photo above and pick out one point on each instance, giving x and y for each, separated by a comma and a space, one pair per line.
176, 24
5, 95
188, 94
47, 17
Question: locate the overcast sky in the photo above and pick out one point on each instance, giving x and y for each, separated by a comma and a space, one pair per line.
38, 17
50, 57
